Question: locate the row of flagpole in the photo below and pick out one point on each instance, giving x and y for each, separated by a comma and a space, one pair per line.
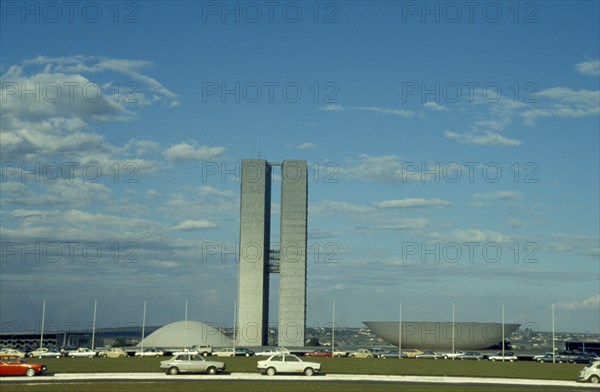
235, 311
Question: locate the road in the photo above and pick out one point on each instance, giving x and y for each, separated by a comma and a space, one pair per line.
161, 377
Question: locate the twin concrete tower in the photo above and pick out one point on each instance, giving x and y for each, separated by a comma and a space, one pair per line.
259, 258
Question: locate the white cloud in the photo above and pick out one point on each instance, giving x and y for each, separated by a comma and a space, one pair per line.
563, 102
502, 195
412, 203
339, 207
332, 108
190, 225
54, 120
591, 67
435, 106
377, 109
516, 223
487, 138
306, 145
470, 235
407, 224
395, 112
187, 152
592, 303
208, 190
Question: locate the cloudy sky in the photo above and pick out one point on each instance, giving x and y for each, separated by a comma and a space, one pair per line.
453, 156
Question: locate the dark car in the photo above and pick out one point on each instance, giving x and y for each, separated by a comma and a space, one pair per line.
243, 352
472, 355
584, 358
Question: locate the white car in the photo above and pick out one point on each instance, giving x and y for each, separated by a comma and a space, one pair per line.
187, 363
454, 355
224, 352
81, 352
272, 351
590, 373
44, 353
361, 353
154, 352
12, 351
508, 357
287, 363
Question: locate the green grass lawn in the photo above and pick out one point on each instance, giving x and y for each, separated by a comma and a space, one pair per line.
413, 367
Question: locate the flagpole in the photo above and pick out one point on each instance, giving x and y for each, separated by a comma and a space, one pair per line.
400, 333
453, 332
185, 326
553, 340
94, 325
503, 333
43, 320
333, 331
144, 326
234, 321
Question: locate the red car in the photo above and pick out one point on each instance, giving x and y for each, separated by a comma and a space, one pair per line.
13, 365
319, 353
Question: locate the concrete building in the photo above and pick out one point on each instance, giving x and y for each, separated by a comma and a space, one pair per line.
292, 253
258, 260
255, 232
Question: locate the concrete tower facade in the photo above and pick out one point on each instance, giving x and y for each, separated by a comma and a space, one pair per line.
258, 260
255, 232
292, 253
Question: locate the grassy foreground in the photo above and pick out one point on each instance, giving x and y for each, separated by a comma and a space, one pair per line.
413, 367
228, 386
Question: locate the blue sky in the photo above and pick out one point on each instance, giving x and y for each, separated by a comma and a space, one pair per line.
453, 155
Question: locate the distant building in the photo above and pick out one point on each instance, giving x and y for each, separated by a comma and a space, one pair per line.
258, 259
185, 334
583, 347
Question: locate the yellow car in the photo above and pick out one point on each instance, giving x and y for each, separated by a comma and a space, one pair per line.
411, 353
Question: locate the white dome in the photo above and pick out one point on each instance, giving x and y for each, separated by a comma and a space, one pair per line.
186, 334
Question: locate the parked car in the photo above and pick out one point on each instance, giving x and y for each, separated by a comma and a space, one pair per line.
12, 351
115, 352
319, 353
44, 352
508, 356
224, 352
13, 365
537, 357
429, 355
153, 352
454, 355
471, 355
590, 373
361, 353
272, 351
585, 358
287, 363
81, 352
551, 358
204, 349
391, 354
243, 352
412, 352
191, 363
339, 353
